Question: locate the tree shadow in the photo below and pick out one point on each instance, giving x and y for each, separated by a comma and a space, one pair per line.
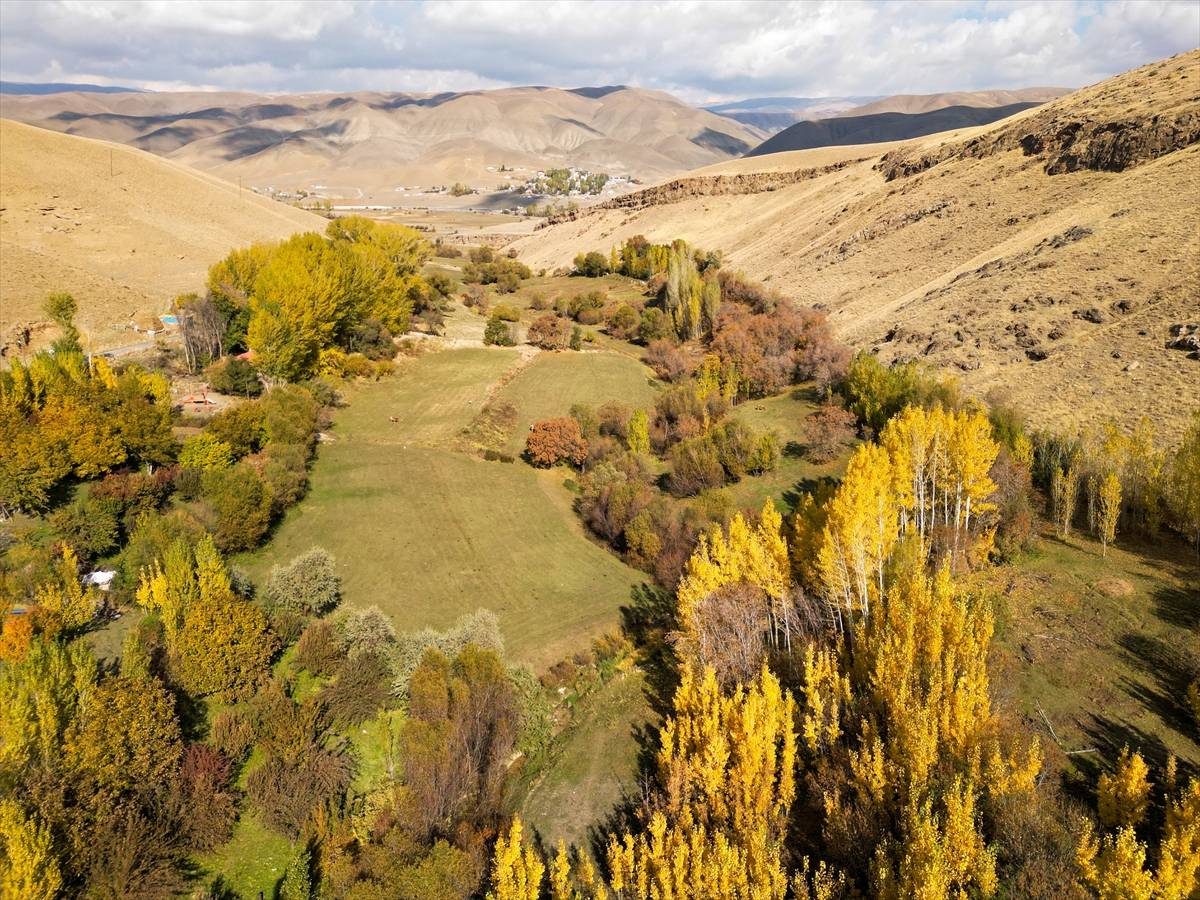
794, 450
1171, 671
792, 495
648, 621
1177, 606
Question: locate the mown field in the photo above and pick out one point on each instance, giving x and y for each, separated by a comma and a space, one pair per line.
429, 534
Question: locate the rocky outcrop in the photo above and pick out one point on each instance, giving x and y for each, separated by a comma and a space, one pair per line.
1134, 119
700, 186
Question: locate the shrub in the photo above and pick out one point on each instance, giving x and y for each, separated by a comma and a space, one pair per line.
359, 690
285, 471
365, 631
205, 777
655, 326
445, 251
736, 444
308, 585
357, 366
576, 342
373, 340
550, 333
589, 423
498, 333
207, 452
506, 312
695, 467
592, 301
234, 376
439, 282
623, 323
554, 440
289, 416
319, 649
592, 264
828, 431
241, 427
91, 526
240, 506
538, 301
668, 361
232, 733
590, 317
508, 283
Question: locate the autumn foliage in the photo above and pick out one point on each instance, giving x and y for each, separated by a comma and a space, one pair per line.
556, 440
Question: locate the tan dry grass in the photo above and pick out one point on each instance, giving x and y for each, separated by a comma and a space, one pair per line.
122, 230
907, 257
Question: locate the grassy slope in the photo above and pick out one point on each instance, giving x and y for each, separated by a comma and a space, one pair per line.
1101, 645
429, 534
594, 761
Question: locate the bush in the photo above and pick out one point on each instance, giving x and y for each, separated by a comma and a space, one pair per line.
234, 376
232, 733
319, 649
359, 690
668, 361
655, 326
576, 342
289, 416
308, 585
205, 778
555, 440
498, 333
92, 526
538, 301
204, 451
285, 471
623, 323
508, 283
241, 427
446, 251
240, 506
592, 264
439, 282
374, 341
550, 333
506, 312
695, 467
365, 631
828, 431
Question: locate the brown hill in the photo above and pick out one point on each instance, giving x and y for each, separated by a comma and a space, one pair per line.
1047, 255
912, 104
122, 230
364, 145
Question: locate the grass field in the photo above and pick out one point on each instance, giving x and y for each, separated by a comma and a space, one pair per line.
556, 380
434, 398
254, 860
1101, 646
594, 762
429, 534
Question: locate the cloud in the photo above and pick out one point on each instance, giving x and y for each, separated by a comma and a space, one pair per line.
701, 51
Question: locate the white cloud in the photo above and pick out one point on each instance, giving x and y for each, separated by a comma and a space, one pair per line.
697, 50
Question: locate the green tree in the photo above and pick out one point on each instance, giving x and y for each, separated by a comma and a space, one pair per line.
241, 506
297, 878
308, 585
498, 333
61, 308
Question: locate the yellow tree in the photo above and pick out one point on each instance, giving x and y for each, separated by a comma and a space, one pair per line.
28, 867
516, 870
1122, 796
755, 555
726, 772
1110, 510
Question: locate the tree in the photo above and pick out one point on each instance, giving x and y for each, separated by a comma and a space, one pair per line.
828, 431
550, 333
308, 585
297, 879
638, 440
1110, 510
1183, 483
516, 869
498, 333
1122, 796
61, 309
592, 264
241, 506
28, 867
205, 451
555, 440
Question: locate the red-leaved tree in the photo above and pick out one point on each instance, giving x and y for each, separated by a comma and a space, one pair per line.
556, 439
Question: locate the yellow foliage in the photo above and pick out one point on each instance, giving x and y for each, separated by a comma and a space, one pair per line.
1123, 795
516, 875
1110, 510
1179, 854
65, 597
1113, 866
757, 556
28, 867
826, 693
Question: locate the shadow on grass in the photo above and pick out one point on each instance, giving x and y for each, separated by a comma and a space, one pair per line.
805, 486
1177, 606
1171, 669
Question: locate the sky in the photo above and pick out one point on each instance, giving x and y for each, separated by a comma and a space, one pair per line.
703, 52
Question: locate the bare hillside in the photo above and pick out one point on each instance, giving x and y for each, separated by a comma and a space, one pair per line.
1048, 255
368, 144
914, 104
122, 230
